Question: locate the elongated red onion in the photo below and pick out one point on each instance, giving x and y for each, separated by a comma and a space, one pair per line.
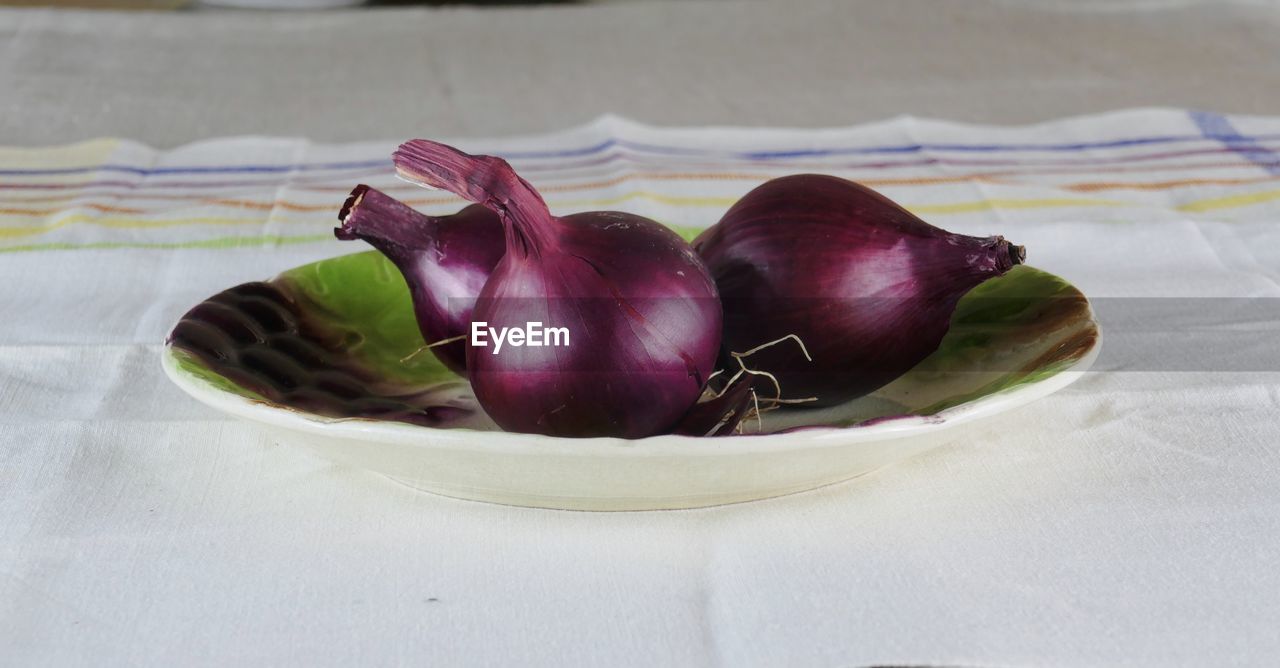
444, 260
641, 312
867, 287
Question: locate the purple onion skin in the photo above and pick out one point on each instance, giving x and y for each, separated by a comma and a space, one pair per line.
445, 261
867, 286
642, 311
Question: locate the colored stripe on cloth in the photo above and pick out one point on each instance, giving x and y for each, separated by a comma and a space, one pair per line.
784, 154
1249, 146
241, 192
1218, 127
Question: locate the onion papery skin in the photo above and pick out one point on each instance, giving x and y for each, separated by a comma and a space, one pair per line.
719, 414
867, 286
642, 312
445, 261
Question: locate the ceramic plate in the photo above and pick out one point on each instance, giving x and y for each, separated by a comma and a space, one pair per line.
322, 356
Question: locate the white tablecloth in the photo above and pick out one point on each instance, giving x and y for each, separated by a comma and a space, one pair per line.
1132, 518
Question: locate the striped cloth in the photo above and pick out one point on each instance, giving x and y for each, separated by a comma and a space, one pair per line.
1148, 165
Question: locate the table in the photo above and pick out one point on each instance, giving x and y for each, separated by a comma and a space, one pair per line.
1134, 518
167, 79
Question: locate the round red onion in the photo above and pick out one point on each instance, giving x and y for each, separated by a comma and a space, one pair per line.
867, 287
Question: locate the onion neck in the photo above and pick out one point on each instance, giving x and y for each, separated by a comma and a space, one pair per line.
383, 220
1009, 255
487, 180
1002, 255
1017, 255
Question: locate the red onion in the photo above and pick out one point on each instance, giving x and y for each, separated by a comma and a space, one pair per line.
445, 261
641, 312
865, 285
